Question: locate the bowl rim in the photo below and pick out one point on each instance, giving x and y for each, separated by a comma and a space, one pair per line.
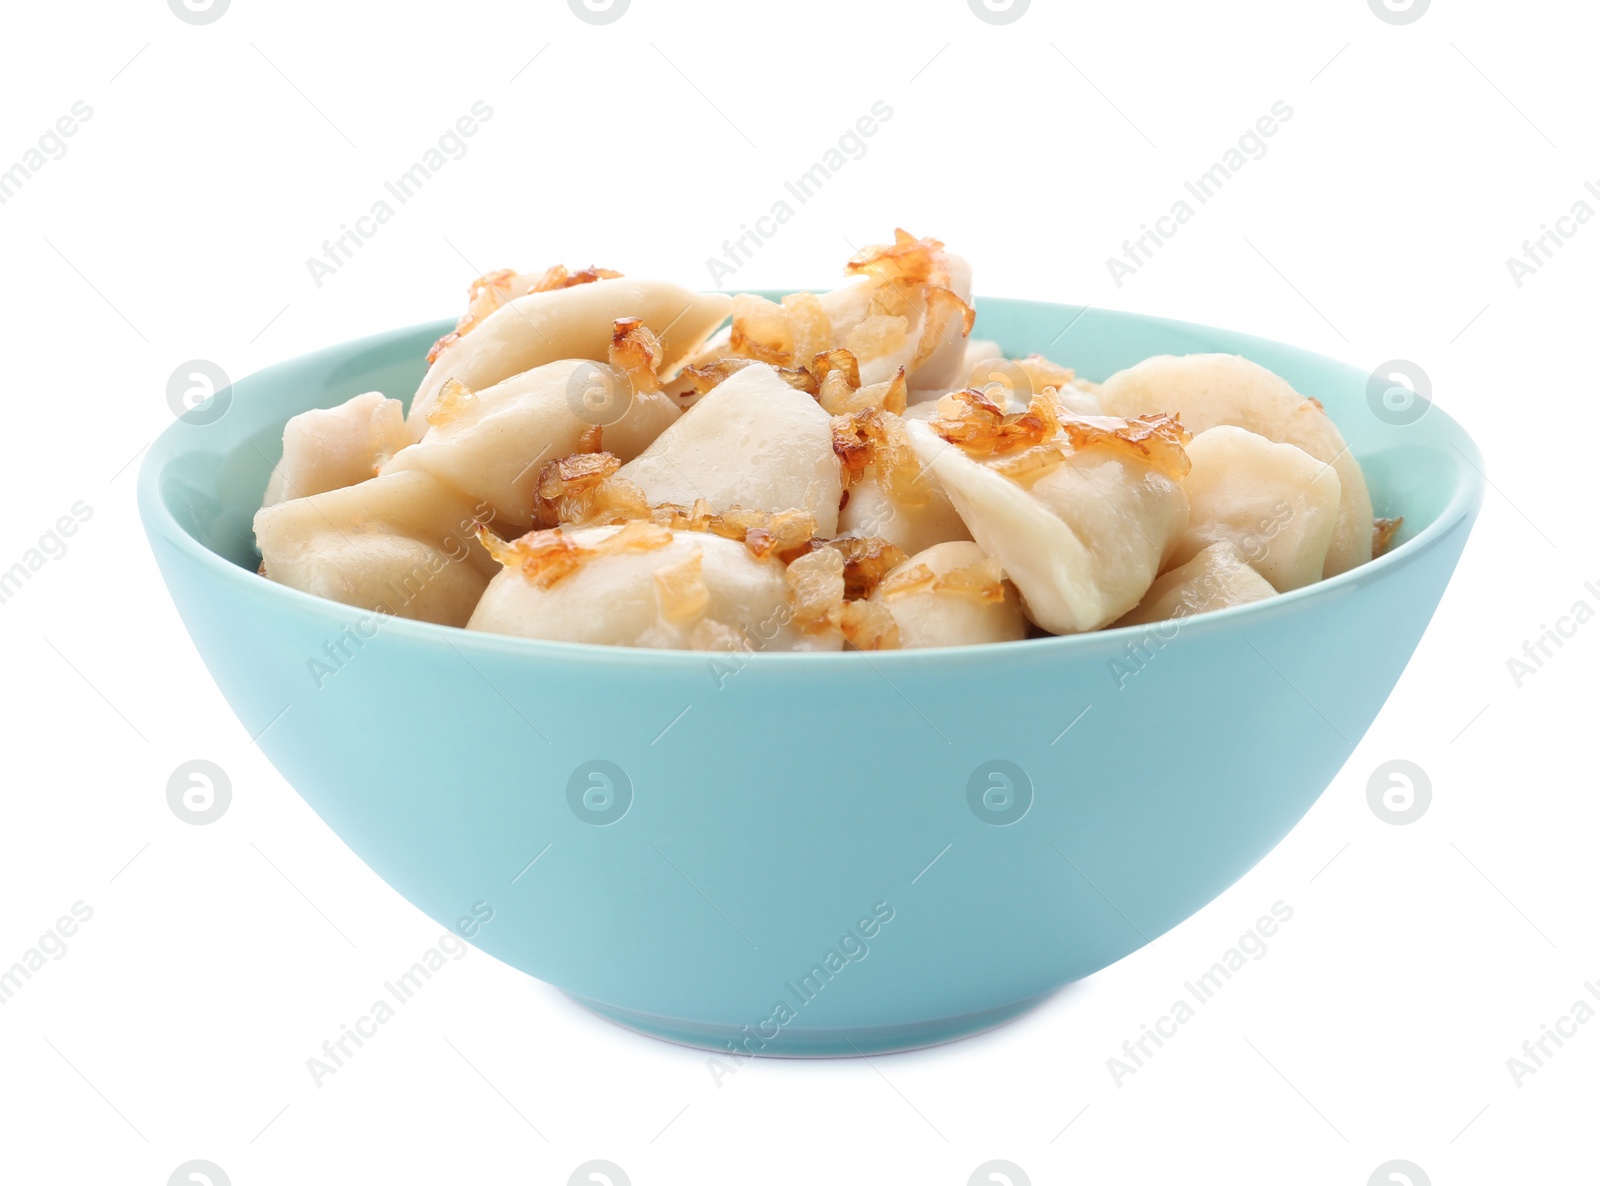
171, 444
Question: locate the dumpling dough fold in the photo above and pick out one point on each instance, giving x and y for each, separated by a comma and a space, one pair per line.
568, 323
497, 442
402, 544
1217, 577
1276, 503
1082, 541
1205, 390
327, 448
754, 442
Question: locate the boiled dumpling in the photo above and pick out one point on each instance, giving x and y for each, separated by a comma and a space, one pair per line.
754, 442
1205, 390
327, 448
951, 595
567, 323
402, 544
493, 444
1217, 577
1080, 516
643, 585
1276, 503
488, 292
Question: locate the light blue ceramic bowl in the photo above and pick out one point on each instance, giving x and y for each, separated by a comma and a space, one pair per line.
803, 854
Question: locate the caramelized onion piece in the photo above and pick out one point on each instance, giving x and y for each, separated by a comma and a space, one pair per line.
544, 558
982, 582
839, 362
454, 398
780, 534
1041, 372
853, 444
972, 420
872, 437
559, 277
867, 560
838, 379
816, 589
1031, 464
761, 331
1383, 533
580, 490
484, 295
1157, 439
706, 376
869, 626
906, 261
636, 353
809, 327
840, 397
681, 591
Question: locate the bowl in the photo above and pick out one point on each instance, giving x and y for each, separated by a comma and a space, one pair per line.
810, 854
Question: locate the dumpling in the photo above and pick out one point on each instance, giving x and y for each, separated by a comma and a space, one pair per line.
402, 544
951, 595
493, 444
754, 442
907, 308
567, 323
1276, 503
1080, 515
643, 585
1217, 577
327, 448
1205, 390
488, 292
892, 496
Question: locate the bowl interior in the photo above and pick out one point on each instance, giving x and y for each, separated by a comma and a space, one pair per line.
207, 473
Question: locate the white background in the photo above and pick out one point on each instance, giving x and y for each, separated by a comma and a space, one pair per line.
178, 224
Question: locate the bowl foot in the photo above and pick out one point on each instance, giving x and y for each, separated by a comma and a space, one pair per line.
798, 1041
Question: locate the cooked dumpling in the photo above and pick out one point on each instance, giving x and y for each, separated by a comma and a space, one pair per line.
402, 544
1205, 390
327, 448
1277, 503
907, 308
951, 595
753, 442
643, 585
1080, 516
488, 292
1217, 577
567, 323
493, 444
